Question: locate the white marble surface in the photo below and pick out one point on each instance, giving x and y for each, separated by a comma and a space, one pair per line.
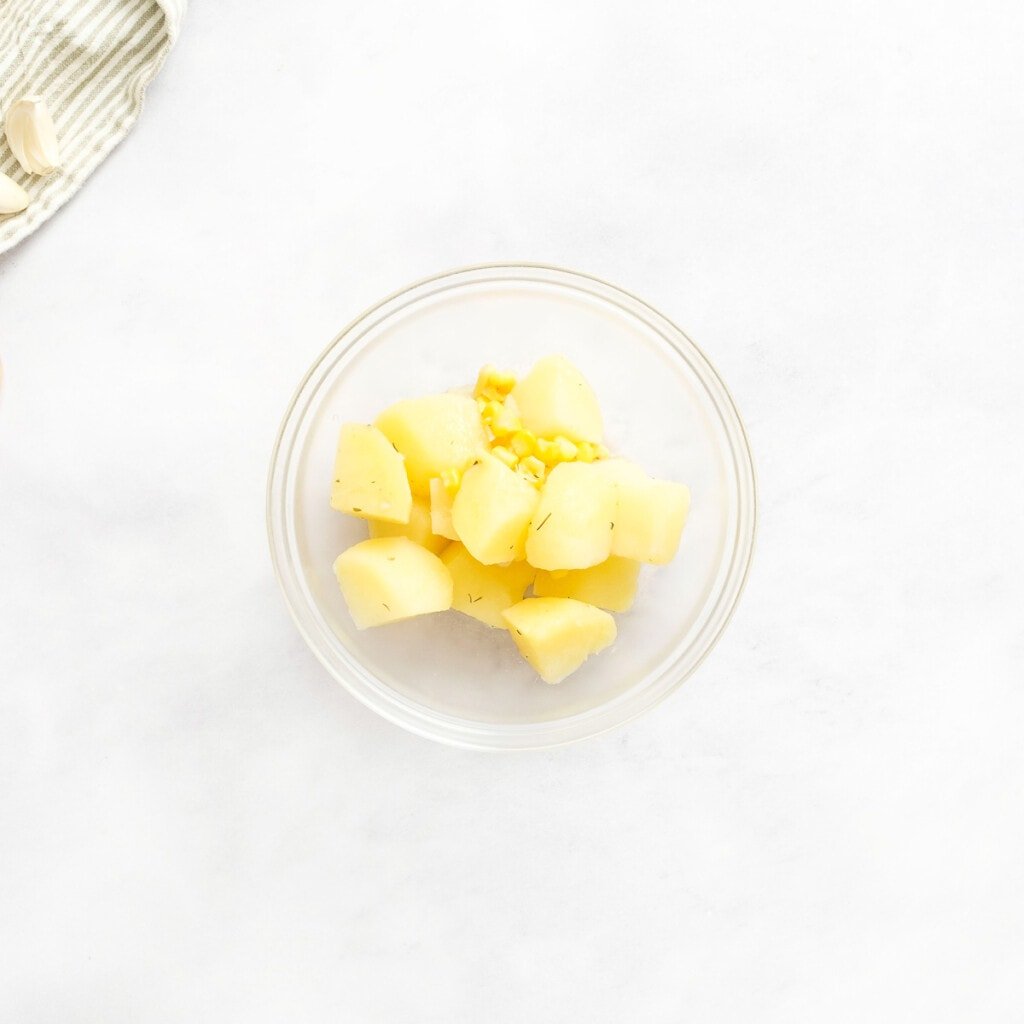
826, 823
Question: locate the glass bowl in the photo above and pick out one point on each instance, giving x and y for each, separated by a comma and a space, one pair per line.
449, 677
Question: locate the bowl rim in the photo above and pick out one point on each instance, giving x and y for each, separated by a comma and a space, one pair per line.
426, 722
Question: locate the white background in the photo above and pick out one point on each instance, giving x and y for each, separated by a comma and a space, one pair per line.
825, 823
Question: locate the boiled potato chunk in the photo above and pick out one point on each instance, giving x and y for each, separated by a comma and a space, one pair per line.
610, 585
649, 520
557, 634
492, 510
434, 433
485, 591
441, 510
386, 579
369, 476
419, 529
572, 527
555, 399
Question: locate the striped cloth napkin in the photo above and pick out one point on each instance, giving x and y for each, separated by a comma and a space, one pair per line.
91, 60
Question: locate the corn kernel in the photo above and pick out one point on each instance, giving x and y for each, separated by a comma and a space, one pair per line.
489, 411
506, 424
504, 381
565, 449
601, 452
533, 466
481, 403
523, 443
561, 449
492, 383
483, 378
451, 478
503, 422
585, 452
545, 450
506, 455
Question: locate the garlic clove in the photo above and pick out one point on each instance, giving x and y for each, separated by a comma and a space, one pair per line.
13, 198
32, 136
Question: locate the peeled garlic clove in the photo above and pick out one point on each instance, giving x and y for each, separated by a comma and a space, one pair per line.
32, 136
13, 198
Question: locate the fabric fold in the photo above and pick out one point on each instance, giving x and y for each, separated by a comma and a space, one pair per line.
91, 60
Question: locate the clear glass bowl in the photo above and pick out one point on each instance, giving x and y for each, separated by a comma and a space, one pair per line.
447, 676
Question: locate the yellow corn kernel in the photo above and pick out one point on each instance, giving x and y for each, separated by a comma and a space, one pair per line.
601, 452
483, 378
533, 466
481, 403
506, 424
452, 479
502, 421
490, 411
493, 383
506, 455
545, 450
565, 449
560, 449
524, 443
504, 381
585, 452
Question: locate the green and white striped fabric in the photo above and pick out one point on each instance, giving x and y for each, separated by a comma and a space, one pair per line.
91, 60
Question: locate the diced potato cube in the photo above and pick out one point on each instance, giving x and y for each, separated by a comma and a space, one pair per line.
649, 514
572, 526
418, 529
369, 476
485, 591
492, 511
441, 509
434, 433
557, 634
611, 585
649, 520
386, 579
554, 398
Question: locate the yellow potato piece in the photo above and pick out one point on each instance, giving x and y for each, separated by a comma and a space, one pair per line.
369, 476
554, 399
441, 509
572, 526
492, 511
434, 433
419, 529
386, 579
649, 520
485, 591
557, 634
610, 585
